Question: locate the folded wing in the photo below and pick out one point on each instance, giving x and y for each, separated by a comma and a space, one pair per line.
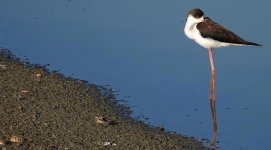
211, 29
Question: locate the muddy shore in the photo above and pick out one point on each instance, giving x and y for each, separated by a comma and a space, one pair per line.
43, 110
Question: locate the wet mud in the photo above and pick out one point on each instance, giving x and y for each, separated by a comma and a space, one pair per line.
42, 110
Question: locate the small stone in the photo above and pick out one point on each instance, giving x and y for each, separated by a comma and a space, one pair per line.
16, 139
3, 67
101, 120
24, 91
2, 142
38, 75
106, 143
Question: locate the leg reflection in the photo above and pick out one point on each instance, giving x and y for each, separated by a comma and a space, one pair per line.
212, 98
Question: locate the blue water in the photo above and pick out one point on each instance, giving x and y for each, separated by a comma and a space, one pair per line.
138, 47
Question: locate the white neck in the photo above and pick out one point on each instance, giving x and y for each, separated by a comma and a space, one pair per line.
190, 25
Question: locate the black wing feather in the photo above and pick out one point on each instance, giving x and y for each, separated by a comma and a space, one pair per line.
211, 29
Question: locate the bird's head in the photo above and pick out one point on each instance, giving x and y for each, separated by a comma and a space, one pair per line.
195, 16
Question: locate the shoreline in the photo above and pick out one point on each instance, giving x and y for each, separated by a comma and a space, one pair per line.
40, 109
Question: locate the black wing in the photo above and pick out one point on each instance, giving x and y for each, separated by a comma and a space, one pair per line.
211, 29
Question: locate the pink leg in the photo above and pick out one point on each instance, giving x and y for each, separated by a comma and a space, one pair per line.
212, 87
212, 96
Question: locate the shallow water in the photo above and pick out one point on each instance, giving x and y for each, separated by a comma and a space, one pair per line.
139, 48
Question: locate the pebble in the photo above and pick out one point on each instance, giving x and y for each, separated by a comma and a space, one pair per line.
101, 120
38, 75
24, 91
16, 139
3, 67
2, 142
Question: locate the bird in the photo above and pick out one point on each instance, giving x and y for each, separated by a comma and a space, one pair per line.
209, 34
